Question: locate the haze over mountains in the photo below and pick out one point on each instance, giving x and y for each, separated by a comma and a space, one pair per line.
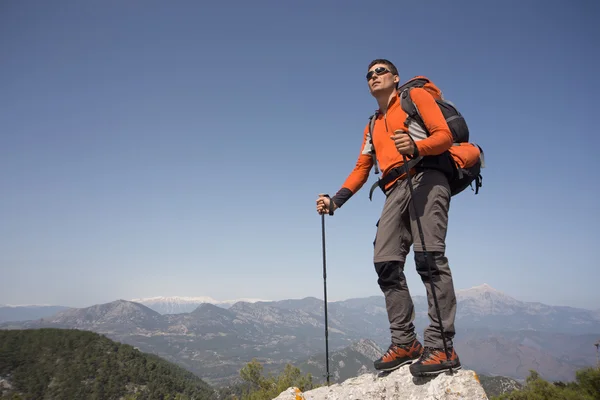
10, 312
497, 334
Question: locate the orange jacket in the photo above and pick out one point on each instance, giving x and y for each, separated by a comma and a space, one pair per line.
439, 140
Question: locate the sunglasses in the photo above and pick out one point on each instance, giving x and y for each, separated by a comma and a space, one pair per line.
378, 71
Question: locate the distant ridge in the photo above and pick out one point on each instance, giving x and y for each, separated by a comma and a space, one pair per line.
189, 303
11, 312
184, 304
194, 299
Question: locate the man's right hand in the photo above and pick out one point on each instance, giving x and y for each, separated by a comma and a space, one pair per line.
323, 204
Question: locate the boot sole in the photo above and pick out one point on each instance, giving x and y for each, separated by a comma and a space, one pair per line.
436, 372
395, 366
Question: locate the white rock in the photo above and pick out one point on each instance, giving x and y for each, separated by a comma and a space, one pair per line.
399, 384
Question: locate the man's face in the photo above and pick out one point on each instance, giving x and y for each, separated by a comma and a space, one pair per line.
380, 79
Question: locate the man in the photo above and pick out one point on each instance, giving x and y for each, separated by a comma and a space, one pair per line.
397, 228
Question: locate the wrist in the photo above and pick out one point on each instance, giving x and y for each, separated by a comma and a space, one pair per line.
416, 152
332, 206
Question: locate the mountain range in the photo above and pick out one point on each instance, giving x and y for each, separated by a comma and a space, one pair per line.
179, 304
496, 334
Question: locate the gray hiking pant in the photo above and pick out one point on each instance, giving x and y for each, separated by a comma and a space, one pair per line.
397, 230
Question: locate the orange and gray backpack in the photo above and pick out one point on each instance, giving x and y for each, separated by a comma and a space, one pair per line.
462, 163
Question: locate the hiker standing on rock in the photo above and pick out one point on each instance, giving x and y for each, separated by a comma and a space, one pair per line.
389, 145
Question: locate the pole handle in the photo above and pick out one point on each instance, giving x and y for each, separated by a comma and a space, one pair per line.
330, 201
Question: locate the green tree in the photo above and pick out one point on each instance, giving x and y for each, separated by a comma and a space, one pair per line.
588, 380
586, 387
252, 373
267, 387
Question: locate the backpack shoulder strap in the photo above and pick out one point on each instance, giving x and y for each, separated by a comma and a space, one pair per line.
372, 119
407, 104
405, 100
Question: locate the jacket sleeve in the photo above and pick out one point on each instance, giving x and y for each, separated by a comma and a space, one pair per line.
440, 138
359, 175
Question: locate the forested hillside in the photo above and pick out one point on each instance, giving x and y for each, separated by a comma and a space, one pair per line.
70, 364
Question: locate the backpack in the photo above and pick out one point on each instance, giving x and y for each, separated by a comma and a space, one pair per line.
462, 163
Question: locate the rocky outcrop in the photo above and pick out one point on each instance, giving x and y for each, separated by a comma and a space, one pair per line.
399, 384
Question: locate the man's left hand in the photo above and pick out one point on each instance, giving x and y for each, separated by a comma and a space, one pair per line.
404, 143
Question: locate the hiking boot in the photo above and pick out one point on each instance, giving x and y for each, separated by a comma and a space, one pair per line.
434, 361
398, 355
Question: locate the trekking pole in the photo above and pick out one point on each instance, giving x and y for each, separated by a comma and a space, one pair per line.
422, 237
325, 295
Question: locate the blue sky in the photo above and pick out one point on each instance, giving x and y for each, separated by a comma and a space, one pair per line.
177, 148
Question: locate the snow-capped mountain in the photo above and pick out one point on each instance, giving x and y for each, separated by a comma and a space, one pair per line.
484, 299
484, 306
182, 304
